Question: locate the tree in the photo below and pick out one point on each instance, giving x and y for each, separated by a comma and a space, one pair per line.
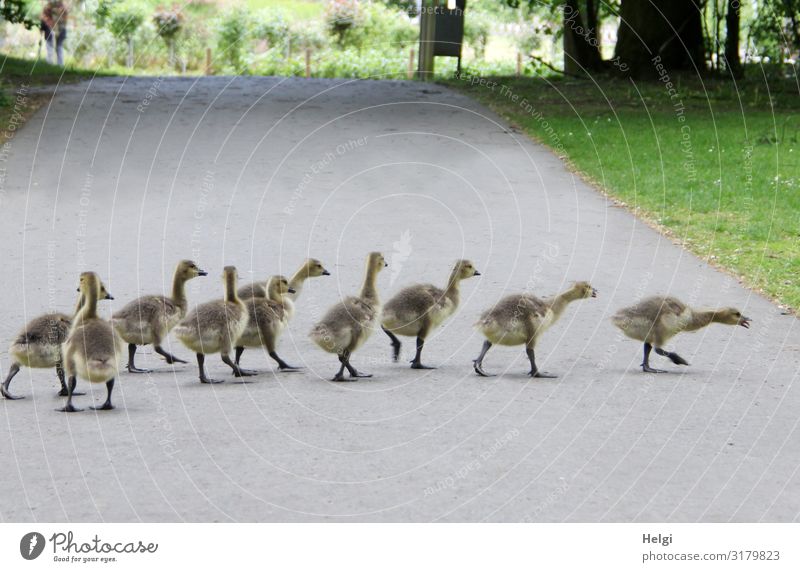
776, 29
581, 45
670, 30
732, 61
14, 11
125, 19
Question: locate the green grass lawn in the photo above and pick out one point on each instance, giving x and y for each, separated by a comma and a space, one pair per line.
716, 166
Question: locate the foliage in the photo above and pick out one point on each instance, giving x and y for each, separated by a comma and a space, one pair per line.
168, 23
16, 12
775, 32
125, 19
341, 17
373, 25
476, 32
407, 6
232, 35
271, 25
102, 14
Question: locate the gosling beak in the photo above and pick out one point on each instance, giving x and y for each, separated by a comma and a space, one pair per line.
109, 296
744, 321
385, 264
202, 273
326, 273
291, 290
594, 293
477, 273
77, 289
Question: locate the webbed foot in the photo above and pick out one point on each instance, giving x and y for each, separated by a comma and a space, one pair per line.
134, 369
105, 407
542, 374
478, 367
239, 372
69, 408
65, 392
648, 369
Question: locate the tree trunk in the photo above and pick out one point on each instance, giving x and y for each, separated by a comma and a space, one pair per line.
663, 32
732, 62
581, 48
130, 52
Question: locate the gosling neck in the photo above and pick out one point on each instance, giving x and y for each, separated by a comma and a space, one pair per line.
89, 309
179, 289
701, 318
274, 292
369, 290
296, 282
79, 304
560, 302
230, 289
453, 283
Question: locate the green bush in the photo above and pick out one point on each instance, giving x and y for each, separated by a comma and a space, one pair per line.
341, 17
125, 19
232, 37
476, 32
374, 25
273, 26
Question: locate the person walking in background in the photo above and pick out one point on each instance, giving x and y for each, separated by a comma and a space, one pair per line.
54, 27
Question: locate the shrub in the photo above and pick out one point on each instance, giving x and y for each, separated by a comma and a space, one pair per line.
341, 17
232, 35
476, 32
126, 17
373, 25
168, 23
271, 25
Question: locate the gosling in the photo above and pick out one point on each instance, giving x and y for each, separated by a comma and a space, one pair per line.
39, 345
419, 309
268, 317
656, 319
93, 349
348, 324
521, 319
215, 327
311, 268
149, 319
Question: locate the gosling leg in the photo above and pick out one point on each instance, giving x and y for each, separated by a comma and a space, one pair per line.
416, 363
237, 371
61, 378
477, 364
69, 408
646, 362
676, 359
353, 371
107, 404
131, 366
168, 356
340, 374
534, 372
395, 344
282, 365
201, 360
239, 352
11, 373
